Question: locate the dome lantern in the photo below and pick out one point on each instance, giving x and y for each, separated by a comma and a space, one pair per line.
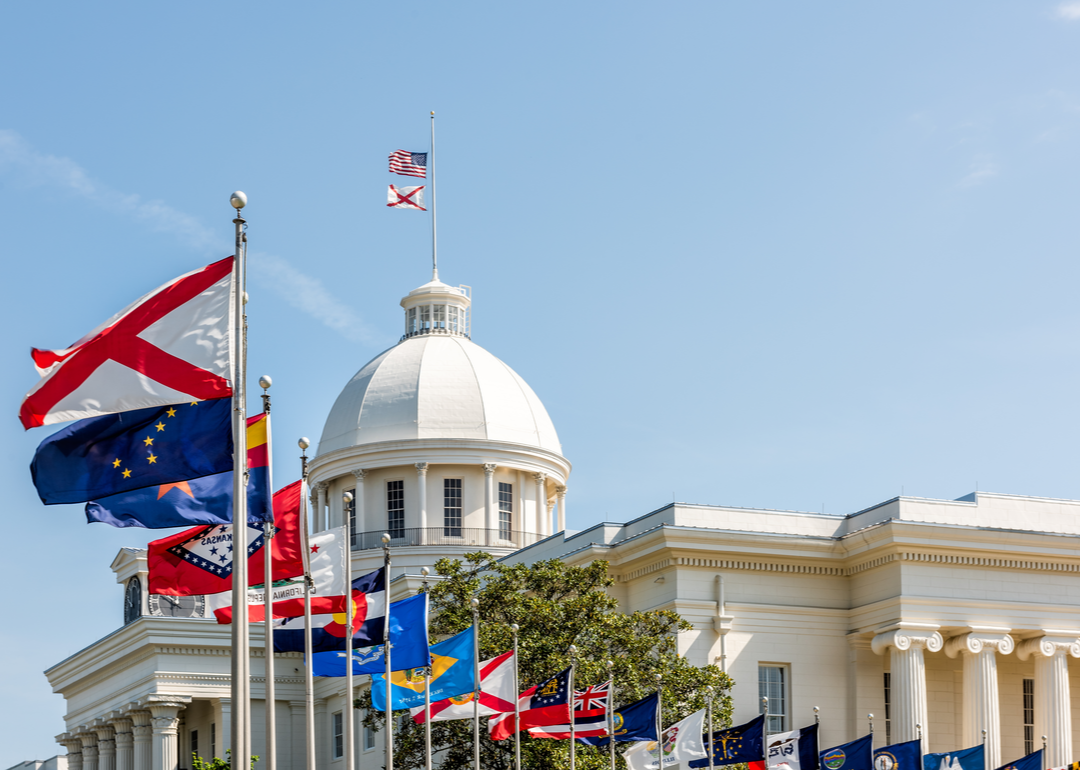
437, 308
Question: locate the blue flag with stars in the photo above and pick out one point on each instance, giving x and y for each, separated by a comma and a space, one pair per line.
118, 453
743, 743
636, 722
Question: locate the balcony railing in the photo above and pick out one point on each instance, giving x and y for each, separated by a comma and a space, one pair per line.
455, 536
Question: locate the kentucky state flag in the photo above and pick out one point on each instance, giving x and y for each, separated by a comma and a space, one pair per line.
1033, 761
104, 456
636, 722
408, 644
452, 674
899, 756
964, 759
736, 744
856, 755
207, 500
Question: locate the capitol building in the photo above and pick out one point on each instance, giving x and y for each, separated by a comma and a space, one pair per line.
954, 620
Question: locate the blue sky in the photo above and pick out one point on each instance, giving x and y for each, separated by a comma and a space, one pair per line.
786, 255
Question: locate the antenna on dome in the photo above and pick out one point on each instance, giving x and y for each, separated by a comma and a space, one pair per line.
431, 162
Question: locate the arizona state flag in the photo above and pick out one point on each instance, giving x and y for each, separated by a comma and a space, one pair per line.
207, 500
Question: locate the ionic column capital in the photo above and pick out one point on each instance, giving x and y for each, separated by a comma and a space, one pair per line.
421, 469
1048, 646
908, 636
489, 468
360, 473
979, 641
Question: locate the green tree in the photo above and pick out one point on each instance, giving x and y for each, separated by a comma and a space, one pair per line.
217, 763
555, 606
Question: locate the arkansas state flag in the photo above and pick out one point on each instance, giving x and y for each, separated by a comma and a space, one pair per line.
199, 561
496, 693
172, 346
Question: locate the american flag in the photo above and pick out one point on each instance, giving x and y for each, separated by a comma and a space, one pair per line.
408, 163
594, 697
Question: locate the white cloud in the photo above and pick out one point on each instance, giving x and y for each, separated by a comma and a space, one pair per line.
1069, 11
20, 161
982, 169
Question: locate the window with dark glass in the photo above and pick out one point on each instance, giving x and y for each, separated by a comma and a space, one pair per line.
194, 742
452, 507
395, 508
888, 708
339, 735
213, 740
350, 516
506, 511
1029, 716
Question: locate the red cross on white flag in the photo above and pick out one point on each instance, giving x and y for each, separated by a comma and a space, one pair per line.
406, 198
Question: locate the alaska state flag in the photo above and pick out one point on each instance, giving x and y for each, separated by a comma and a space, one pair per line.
964, 759
408, 639
207, 500
900, 756
1033, 761
117, 453
736, 744
636, 722
856, 755
452, 674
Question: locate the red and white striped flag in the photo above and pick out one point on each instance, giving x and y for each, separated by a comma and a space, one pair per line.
406, 198
496, 694
408, 163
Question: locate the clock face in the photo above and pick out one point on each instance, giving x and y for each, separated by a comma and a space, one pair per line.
132, 600
167, 606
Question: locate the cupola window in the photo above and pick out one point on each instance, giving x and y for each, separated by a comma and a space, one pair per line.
440, 317
411, 325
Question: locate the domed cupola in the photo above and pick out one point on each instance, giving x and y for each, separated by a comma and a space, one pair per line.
443, 445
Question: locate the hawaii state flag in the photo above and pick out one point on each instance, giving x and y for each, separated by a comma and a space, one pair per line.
207, 500
496, 693
171, 346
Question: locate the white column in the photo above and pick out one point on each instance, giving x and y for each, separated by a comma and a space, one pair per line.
561, 493
979, 649
322, 734
74, 750
321, 513
142, 737
89, 749
298, 733
905, 645
1053, 715
542, 527
421, 498
165, 710
490, 522
358, 499
106, 744
125, 740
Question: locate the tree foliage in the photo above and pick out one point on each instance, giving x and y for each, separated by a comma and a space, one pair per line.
555, 606
217, 763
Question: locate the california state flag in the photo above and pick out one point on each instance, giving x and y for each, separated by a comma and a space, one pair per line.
496, 694
171, 346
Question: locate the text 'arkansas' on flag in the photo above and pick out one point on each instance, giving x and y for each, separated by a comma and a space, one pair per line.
406, 198
206, 500
171, 346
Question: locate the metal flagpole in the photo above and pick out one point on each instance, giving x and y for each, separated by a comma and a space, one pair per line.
431, 163
611, 714
710, 691
424, 572
476, 683
240, 722
309, 677
765, 731
817, 715
386, 656
870, 717
517, 702
570, 699
268, 583
659, 722
347, 710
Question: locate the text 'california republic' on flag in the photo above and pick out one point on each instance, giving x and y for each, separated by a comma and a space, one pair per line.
173, 345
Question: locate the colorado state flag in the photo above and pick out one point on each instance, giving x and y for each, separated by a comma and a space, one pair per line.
207, 500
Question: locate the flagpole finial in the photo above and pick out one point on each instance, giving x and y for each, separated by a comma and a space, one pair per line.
238, 200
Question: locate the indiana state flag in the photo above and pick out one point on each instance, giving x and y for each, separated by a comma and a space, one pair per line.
452, 674
1033, 761
636, 722
736, 744
964, 759
408, 644
206, 500
856, 755
899, 756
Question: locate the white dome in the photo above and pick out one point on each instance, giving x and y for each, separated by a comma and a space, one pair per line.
433, 387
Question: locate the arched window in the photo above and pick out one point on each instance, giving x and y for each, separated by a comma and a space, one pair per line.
132, 600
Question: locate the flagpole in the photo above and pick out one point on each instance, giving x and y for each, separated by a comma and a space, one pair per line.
765, 731
870, 717
347, 710
424, 572
573, 730
386, 656
517, 702
431, 162
240, 721
268, 582
309, 677
476, 680
659, 722
611, 714
710, 690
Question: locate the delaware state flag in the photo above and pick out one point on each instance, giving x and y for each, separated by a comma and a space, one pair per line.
452, 675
